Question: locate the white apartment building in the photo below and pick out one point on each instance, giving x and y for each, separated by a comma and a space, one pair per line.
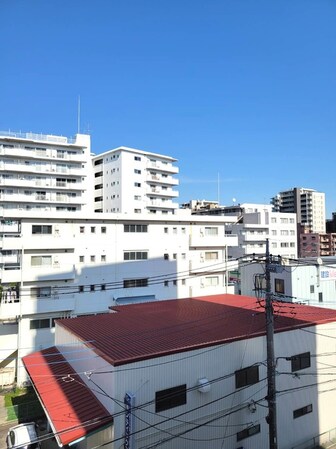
83, 264
307, 281
45, 173
255, 223
191, 375
308, 204
127, 180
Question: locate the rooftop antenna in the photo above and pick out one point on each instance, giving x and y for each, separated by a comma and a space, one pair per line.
78, 115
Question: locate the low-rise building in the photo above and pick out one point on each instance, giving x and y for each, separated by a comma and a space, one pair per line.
317, 245
188, 373
310, 281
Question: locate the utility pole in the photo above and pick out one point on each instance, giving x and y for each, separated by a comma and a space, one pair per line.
271, 399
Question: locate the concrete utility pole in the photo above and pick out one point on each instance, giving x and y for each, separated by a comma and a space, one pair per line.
271, 400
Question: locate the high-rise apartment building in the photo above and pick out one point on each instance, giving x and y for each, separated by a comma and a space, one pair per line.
308, 204
127, 180
44, 173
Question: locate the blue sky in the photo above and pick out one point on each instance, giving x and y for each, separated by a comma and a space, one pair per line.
240, 90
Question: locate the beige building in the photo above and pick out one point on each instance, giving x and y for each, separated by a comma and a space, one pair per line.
308, 204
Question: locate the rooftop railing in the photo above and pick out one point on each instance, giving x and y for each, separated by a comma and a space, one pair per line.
39, 137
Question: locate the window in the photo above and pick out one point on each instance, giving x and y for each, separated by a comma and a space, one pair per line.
183, 230
273, 220
174, 282
92, 258
174, 256
82, 229
103, 258
165, 230
135, 255
38, 261
41, 229
283, 220
166, 283
131, 283
137, 172
183, 256
137, 184
137, 211
174, 230
274, 232
248, 432
103, 229
137, 197
302, 411
300, 361
211, 230
103, 287
291, 220
247, 376
211, 281
279, 286
92, 288
135, 228
81, 288
166, 256
39, 324
98, 174
98, 162
93, 229
312, 289
284, 244
183, 282
170, 398
137, 158
211, 255
81, 259
40, 292
284, 232
320, 296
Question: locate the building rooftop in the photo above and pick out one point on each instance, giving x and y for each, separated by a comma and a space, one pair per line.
142, 331
72, 408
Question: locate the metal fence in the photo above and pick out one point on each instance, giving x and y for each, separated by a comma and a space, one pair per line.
322, 441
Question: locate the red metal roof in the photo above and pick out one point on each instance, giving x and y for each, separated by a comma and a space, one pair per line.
72, 408
142, 331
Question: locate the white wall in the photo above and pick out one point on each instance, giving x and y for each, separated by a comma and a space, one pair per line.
218, 365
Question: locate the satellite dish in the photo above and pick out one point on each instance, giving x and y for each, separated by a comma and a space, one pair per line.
319, 261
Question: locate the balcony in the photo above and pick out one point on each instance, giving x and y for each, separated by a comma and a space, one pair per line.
255, 236
12, 308
159, 179
157, 191
206, 266
212, 241
162, 167
157, 204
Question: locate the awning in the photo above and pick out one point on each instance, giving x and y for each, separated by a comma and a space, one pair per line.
72, 409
